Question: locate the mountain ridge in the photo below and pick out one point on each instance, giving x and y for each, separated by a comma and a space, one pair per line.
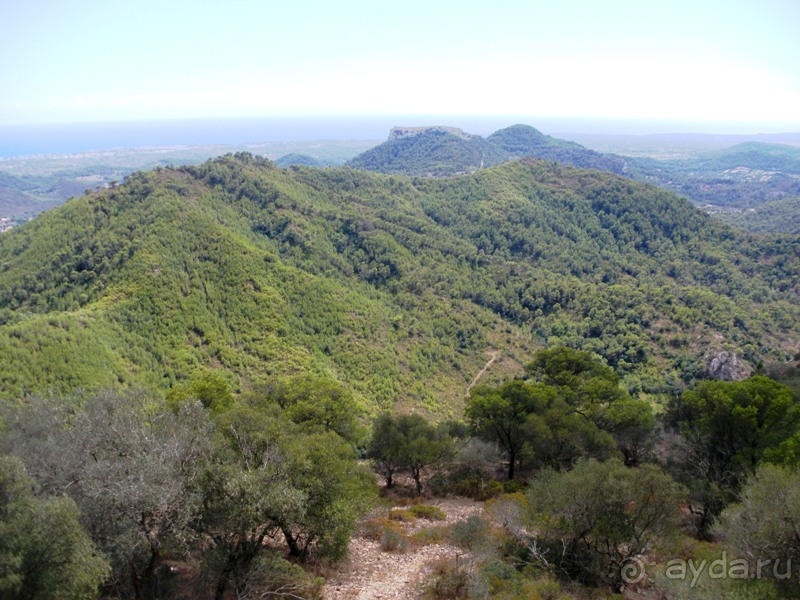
441, 151
393, 286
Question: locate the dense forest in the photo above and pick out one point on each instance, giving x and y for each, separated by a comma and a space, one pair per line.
751, 185
207, 369
259, 273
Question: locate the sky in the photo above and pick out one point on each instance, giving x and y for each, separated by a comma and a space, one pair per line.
730, 62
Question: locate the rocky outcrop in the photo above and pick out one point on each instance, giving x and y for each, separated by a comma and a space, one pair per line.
725, 365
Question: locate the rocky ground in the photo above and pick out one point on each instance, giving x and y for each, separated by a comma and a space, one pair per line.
371, 573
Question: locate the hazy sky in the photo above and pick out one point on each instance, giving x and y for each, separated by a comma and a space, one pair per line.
693, 60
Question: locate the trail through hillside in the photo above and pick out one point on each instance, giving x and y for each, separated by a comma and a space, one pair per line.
371, 573
493, 357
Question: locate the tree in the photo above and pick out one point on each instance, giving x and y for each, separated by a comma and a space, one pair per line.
500, 414
406, 442
764, 525
208, 386
319, 403
337, 492
129, 464
592, 520
385, 448
272, 478
591, 389
44, 551
556, 437
727, 429
568, 368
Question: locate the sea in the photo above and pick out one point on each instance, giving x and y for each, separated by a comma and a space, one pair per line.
71, 138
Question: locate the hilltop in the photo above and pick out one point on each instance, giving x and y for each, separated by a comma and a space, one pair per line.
441, 151
395, 287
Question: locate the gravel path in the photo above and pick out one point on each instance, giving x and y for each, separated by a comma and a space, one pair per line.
370, 573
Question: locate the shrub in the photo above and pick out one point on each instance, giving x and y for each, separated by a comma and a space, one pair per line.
373, 528
447, 580
393, 540
470, 533
430, 535
477, 489
427, 511
401, 515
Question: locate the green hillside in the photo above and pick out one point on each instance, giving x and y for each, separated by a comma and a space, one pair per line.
433, 153
395, 287
522, 141
776, 216
439, 153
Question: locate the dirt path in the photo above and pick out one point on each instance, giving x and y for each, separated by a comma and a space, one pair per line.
370, 573
493, 354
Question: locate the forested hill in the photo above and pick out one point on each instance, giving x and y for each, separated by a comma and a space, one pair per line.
439, 153
394, 287
430, 153
521, 141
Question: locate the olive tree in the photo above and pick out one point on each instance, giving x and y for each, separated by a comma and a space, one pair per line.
589, 522
129, 464
44, 550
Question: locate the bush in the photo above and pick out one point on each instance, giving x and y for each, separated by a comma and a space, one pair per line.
430, 535
447, 580
427, 511
373, 528
401, 515
272, 575
393, 540
470, 533
477, 489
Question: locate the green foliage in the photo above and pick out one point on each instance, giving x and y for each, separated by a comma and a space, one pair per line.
406, 442
319, 403
427, 511
763, 525
274, 476
501, 415
394, 540
728, 430
291, 159
594, 518
522, 140
775, 216
209, 387
735, 184
447, 580
471, 533
576, 409
434, 153
155, 482
44, 551
128, 463
392, 287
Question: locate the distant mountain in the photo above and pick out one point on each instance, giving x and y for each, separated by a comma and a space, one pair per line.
743, 176
431, 152
395, 287
446, 151
754, 156
521, 141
